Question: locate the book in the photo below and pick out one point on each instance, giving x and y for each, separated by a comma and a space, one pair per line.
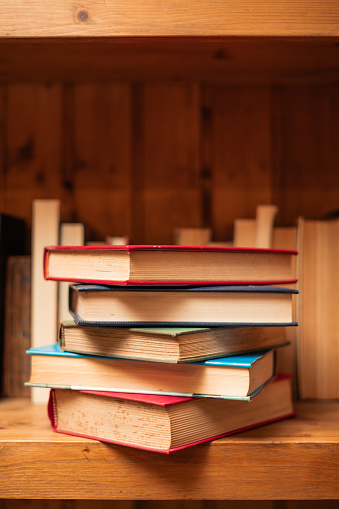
170, 265
282, 237
285, 237
12, 243
44, 302
192, 236
71, 234
265, 215
318, 339
228, 377
16, 366
164, 423
203, 306
257, 232
244, 232
168, 344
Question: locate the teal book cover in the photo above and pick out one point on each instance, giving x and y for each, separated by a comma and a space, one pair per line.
240, 361
233, 377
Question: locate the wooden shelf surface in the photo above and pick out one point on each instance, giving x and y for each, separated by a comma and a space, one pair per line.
289, 460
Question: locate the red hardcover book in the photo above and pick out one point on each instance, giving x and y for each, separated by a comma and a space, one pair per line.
164, 423
163, 265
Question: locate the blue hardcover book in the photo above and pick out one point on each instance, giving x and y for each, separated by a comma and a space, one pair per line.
204, 306
234, 377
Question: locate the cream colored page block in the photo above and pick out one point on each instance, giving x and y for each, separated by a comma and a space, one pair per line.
286, 238
244, 232
307, 345
192, 236
265, 216
318, 336
45, 231
71, 234
256, 232
327, 311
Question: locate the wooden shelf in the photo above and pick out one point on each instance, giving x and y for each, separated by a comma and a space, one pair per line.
41, 18
206, 59
289, 460
231, 41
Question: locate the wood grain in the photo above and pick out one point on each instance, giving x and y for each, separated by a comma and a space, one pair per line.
241, 154
66, 504
199, 154
101, 178
33, 150
305, 128
166, 504
288, 460
171, 125
213, 60
153, 18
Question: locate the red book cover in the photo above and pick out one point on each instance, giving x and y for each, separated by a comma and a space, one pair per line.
190, 264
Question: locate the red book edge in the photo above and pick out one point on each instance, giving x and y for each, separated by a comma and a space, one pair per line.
165, 247
132, 282
157, 400
145, 247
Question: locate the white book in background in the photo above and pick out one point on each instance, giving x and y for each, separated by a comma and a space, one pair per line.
192, 236
113, 240
265, 216
45, 231
261, 230
256, 232
244, 232
71, 234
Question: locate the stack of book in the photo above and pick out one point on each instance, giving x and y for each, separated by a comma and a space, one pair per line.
154, 361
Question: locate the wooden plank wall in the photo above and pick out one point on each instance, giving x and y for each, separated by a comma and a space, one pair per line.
141, 159
161, 504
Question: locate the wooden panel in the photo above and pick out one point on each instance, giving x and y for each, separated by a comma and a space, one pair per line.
153, 17
171, 504
31, 504
212, 59
100, 174
66, 504
197, 155
33, 136
305, 130
240, 504
171, 187
288, 460
241, 154
166, 504
309, 504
